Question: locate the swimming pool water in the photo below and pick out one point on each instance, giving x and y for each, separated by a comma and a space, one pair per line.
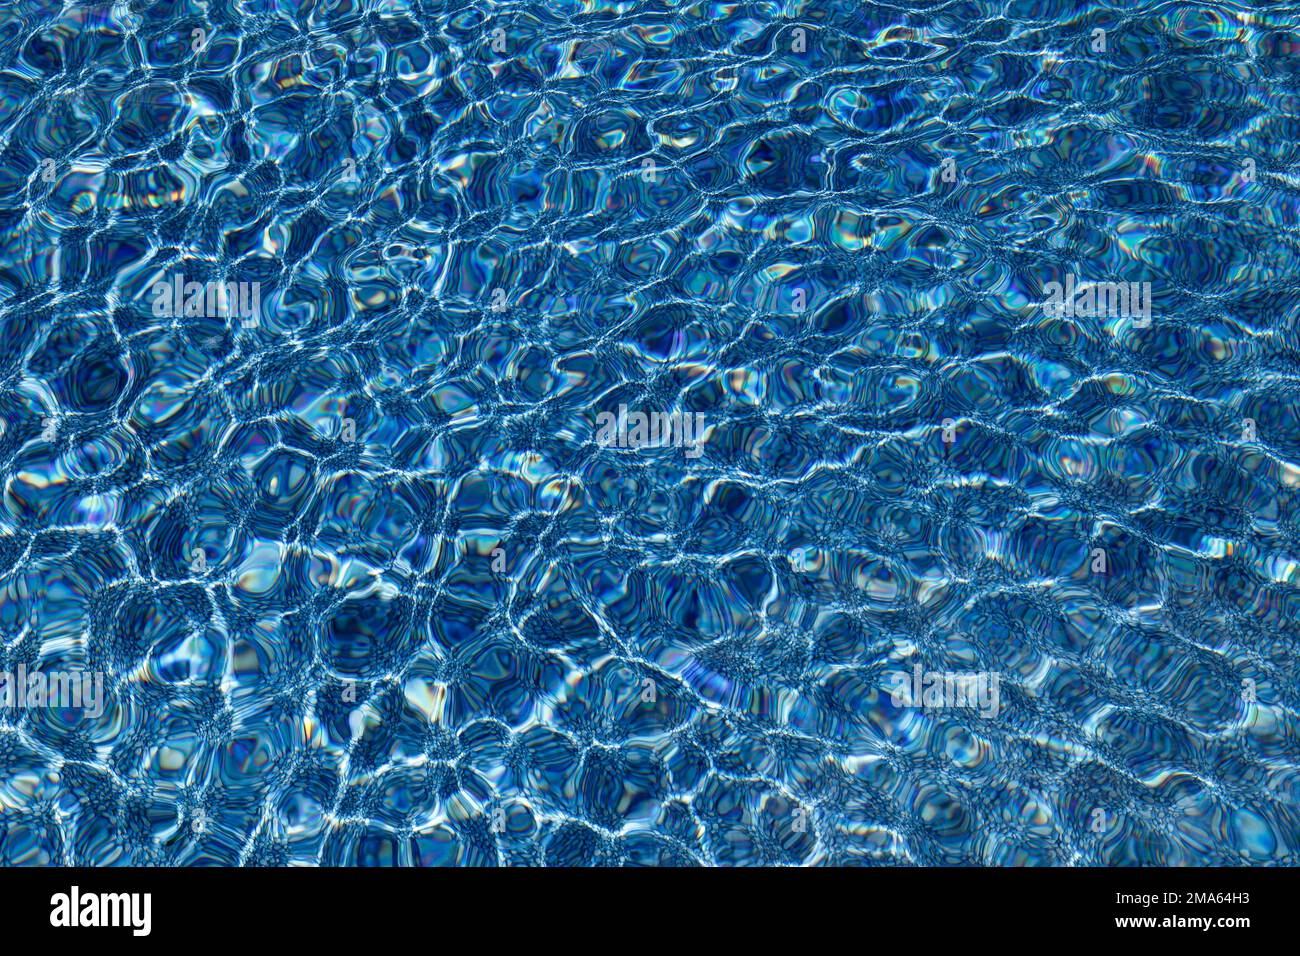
368, 584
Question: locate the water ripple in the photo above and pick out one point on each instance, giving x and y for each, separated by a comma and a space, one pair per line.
369, 584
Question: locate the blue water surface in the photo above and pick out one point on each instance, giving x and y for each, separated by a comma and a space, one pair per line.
365, 587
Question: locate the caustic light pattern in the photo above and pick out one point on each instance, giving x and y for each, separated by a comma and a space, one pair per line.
673, 433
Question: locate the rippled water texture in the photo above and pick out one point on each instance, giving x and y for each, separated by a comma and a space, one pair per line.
364, 584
